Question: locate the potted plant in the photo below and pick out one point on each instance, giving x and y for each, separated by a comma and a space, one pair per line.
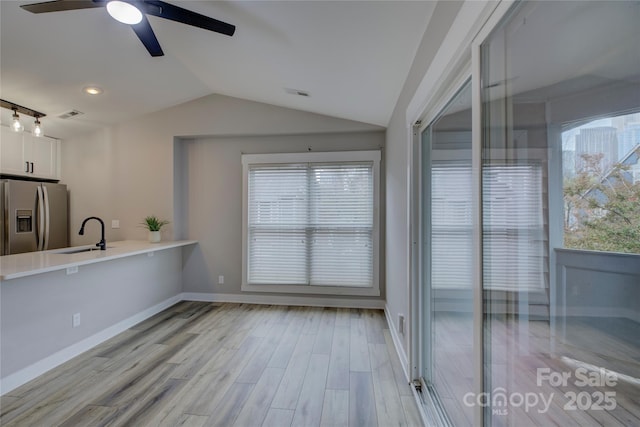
154, 225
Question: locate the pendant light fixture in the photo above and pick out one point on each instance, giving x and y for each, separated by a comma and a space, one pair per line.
16, 124
37, 128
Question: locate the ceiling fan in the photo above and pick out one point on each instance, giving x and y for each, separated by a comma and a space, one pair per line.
133, 12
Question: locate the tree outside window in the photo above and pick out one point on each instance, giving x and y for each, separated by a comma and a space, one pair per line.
602, 185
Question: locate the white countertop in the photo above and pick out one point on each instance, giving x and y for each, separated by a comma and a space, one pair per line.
28, 264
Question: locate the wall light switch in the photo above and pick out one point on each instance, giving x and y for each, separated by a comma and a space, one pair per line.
115, 223
221, 280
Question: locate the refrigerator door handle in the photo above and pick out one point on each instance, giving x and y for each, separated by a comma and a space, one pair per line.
41, 213
47, 219
27, 169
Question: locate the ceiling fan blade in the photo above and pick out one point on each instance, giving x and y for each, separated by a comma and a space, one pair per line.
61, 5
184, 16
148, 38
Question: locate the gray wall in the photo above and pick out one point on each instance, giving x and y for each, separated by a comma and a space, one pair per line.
135, 169
87, 167
598, 284
397, 155
212, 172
36, 311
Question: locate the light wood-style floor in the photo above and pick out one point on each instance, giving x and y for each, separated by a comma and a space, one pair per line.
199, 364
519, 347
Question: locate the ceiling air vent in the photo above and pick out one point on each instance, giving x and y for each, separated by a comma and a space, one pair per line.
70, 114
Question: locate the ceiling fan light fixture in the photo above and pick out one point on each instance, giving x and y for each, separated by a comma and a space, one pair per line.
124, 12
134, 13
16, 124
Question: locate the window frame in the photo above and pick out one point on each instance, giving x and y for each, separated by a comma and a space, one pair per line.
560, 208
313, 157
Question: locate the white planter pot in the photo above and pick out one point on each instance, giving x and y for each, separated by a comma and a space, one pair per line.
154, 236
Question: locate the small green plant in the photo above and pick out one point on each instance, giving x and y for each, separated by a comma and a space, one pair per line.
153, 223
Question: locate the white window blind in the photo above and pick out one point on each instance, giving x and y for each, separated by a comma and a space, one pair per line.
451, 226
278, 218
513, 241
311, 224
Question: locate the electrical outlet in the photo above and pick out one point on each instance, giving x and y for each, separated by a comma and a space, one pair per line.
221, 280
150, 254
75, 320
401, 323
72, 270
115, 223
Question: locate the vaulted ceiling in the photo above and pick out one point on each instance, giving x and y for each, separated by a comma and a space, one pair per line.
352, 57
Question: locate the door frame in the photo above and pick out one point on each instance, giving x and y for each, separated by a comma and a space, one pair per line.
473, 25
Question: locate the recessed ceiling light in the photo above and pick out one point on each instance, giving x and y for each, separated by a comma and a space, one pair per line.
92, 90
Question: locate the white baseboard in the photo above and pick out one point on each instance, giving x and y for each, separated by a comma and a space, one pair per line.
397, 343
315, 301
25, 375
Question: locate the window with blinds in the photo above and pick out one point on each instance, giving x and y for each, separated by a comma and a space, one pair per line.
512, 227
310, 223
451, 226
513, 232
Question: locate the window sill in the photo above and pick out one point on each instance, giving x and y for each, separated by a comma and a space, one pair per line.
312, 290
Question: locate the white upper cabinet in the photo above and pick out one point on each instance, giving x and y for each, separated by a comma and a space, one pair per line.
11, 157
41, 154
22, 154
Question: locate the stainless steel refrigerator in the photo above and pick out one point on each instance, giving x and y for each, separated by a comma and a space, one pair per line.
33, 216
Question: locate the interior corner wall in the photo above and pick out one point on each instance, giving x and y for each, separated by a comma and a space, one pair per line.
397, 167
213, 175
130, 170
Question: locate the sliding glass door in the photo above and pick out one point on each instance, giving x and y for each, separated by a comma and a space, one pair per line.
447, 245
560, 102
539, 232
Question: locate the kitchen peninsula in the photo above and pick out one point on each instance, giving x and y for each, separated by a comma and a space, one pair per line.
31, 263
56, 305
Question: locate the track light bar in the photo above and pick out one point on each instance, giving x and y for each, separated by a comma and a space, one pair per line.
20, 109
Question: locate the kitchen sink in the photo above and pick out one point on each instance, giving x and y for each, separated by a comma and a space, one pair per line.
77, 250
